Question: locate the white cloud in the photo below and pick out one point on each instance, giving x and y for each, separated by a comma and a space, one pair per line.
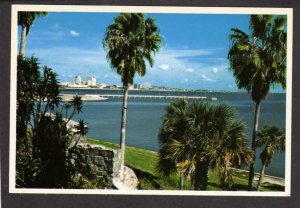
175, 63
189, 70
73, 33
164, 67
205, 78
215, 70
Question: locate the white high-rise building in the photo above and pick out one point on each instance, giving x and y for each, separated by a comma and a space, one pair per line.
146, 85
91, 81
78, 80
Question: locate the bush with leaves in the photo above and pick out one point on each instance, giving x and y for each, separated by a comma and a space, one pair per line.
42, 133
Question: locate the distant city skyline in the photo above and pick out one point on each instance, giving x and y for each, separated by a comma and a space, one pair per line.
193, 54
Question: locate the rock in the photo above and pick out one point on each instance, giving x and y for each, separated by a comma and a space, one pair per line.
98, 160
129, 181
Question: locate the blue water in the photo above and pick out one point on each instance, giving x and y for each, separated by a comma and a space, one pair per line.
144, 118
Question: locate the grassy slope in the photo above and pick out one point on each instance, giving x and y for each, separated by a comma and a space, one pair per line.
143, 163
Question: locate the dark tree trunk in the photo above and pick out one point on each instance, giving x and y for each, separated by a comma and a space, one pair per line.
253, 146
201, 176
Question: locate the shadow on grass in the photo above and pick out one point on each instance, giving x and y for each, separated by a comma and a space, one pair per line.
147, 180
273, 187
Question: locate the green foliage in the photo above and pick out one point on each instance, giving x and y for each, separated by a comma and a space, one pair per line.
52, 140
258, 60
81, 130
27, 18
199, 136
272, 139
81, 182
143, 162
42, 134
130, 40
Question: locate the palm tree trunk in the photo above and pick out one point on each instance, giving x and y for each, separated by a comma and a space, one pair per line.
181, 181
261, 176
201, 176
23, 40
123, 129
253, 146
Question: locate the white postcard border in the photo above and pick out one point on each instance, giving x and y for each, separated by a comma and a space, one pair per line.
146, 9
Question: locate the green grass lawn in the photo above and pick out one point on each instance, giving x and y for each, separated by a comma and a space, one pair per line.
143, 163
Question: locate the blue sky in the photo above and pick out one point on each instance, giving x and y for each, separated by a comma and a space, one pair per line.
193, 55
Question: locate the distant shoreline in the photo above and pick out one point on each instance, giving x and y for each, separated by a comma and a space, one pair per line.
161, 90
69, 97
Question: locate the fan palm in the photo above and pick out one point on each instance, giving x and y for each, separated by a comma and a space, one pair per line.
25, 20
273, 139
130, 41
174, 126
258, 61
198, 136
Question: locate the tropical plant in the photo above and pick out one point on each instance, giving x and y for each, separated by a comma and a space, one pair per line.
130, 41
42, 132
199, 136
76, 104
52, 144
174, 126
272, 139
25, 20
258, 61
81, 130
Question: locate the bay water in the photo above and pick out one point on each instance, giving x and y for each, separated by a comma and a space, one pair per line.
144, 117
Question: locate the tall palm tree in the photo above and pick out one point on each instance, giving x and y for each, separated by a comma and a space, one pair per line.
25, 20
198, 136
258, 61
273, 139
130, 40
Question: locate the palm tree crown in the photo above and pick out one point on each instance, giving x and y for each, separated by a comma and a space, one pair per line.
25, 20
198, 136
81, 130
131, 40
258, 60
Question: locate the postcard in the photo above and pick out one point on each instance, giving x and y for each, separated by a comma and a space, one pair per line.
150, 100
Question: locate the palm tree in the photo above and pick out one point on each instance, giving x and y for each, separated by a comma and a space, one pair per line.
81, 130
174, 126
76, 104
258, 61
130, 40
198, 136
273, 139
25, 20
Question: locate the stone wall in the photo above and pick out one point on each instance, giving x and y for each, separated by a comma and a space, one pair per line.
97, 162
